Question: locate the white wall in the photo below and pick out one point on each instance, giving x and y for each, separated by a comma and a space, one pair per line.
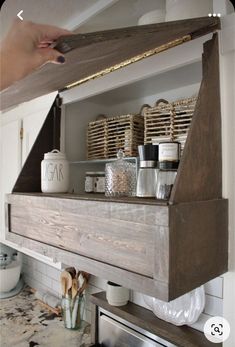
44, 277
227, 69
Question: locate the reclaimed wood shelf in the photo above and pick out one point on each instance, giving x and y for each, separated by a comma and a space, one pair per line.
180, 336
158, 248
102, 198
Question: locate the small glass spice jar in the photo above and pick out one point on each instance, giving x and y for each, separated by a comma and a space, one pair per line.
120, 177
169, 155
99, 186
90, 182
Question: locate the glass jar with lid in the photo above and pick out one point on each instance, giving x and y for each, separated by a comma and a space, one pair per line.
99, 186
90, 181
120, 177
55, 172
169, 155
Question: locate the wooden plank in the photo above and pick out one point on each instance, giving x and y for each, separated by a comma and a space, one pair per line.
99, 53
123, 277
100, 197
199, 175
195, 27
123, 209
192, 250
180, 336
198, 244
124, 244
48, 139
123, 235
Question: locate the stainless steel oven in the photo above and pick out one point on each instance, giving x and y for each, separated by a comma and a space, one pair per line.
116, 332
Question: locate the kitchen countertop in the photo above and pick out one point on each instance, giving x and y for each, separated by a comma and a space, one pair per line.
24, 322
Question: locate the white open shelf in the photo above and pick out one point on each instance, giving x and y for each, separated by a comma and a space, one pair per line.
167, 70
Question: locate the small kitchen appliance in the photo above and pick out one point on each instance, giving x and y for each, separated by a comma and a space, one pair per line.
10, 268
147, 175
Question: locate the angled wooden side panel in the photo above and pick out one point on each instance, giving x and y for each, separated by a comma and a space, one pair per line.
198, 244
200, 172
29, 179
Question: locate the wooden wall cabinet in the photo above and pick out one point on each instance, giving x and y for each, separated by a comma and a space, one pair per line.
163, 249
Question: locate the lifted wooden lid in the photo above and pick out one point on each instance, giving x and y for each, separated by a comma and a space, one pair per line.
92, 55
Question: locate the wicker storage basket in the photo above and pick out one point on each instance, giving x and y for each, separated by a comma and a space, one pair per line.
168, 121
106, 136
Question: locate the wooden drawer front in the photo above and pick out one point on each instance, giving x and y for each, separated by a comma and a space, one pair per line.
125, 244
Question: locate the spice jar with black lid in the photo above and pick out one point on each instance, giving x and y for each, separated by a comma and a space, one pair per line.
169, 156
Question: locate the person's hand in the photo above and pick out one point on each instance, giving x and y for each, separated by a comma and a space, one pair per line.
25, 48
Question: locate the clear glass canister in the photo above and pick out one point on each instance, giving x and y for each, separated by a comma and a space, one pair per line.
169, 156
120, 177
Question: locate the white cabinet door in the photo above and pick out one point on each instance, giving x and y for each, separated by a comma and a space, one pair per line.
31, 128
33, 115
10, 161
30, 117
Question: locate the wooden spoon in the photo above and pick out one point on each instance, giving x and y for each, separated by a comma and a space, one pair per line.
72, 271
74, 288
66, 279
84, 282
63, 286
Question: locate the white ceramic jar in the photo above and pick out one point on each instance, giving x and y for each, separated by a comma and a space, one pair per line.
117, 295
54, 173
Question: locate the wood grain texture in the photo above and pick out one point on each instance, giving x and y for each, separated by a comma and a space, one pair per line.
180, 336
166, 261
97, 51
199, 175
48, 139
124, 244
101, 197
96, 230
195, 27
198, 244
122, 210
123, 277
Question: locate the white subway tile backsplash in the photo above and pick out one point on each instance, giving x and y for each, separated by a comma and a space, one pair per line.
36, 284
137, 298
98, 282
87, 316
41, 267
46, 280
90, 290
53, 273
56, 287
199, 325
44, 277
214, 306
215, 287
24, 259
